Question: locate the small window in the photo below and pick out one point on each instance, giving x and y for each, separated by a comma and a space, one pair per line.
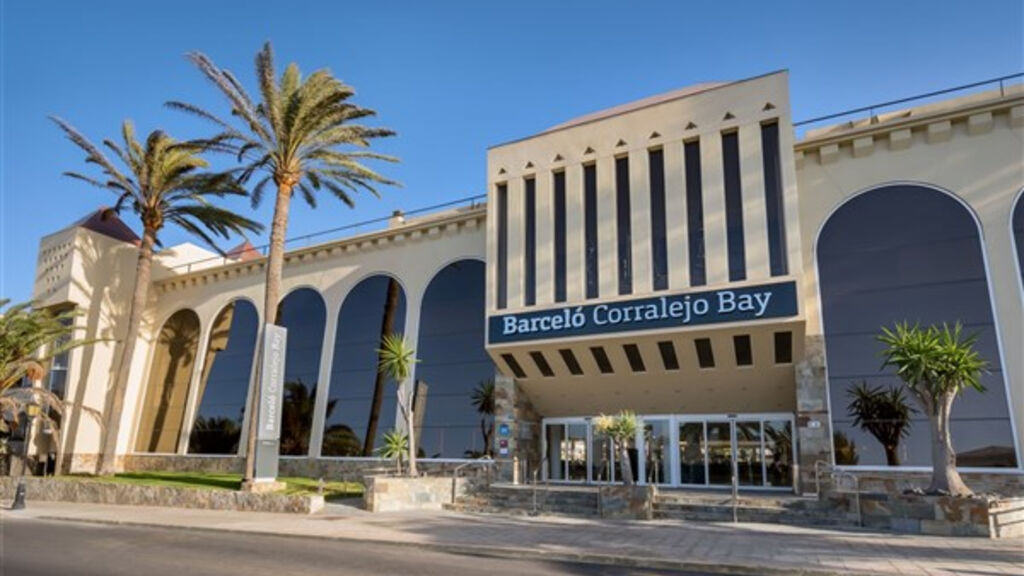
530, 243
636, 360
601, 357
502, 233
513, 365
560, 237
733, 207
624, 233
542, 364
783, 347
744, 353
705, 355
695, 214
591, 262
571, 362
668, 355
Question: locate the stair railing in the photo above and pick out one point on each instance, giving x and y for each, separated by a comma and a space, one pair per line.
482, 460
837, 480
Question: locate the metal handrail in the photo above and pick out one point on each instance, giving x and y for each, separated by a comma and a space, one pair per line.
817, 475
837, 477
484, 460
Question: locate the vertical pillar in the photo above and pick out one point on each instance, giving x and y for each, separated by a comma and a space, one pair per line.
813, 434
675, 217
575, 253
517, 429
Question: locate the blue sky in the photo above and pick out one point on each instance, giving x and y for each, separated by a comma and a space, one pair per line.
451, 77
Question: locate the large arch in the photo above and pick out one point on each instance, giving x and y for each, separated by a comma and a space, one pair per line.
303, 313
453, 363
361, 404
907, 252
163, 409
224, 381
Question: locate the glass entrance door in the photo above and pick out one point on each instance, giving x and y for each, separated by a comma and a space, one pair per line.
760, 445
719, 453
566, 458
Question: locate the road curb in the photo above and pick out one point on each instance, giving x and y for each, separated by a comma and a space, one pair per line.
504, 552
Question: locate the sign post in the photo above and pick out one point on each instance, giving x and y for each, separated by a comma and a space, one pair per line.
268, 422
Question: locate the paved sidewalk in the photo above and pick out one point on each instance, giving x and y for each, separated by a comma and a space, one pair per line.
753, 548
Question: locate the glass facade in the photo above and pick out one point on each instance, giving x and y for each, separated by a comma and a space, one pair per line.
361, 405
778, 257
560, 246
530, 243
623, 225
590, 229
224, 382
734, 206
695, 214
163, 409
659, 234
454, 369
1018, 235
304, 314
894, 254
501, 216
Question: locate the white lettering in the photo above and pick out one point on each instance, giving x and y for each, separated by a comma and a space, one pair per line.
509, 325
762, 301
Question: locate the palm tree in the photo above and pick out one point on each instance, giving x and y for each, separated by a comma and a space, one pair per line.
396, 446
163, 184
298, 136
621, 430
937, 365
483, 401
387, 326
883, 413
396, 361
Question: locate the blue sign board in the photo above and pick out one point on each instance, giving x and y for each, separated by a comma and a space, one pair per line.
671, 311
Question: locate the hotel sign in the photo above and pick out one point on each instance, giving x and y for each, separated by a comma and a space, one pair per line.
671, 311
268, 431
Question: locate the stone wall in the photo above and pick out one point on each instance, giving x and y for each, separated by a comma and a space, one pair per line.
399, 493
64, 489
813, 427
626, 502
512, 408
898, 481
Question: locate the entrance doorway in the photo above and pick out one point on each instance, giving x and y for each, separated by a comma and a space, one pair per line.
678, 450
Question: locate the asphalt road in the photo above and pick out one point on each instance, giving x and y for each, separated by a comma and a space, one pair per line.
30, 547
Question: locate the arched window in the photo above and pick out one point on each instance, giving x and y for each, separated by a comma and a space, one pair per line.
905, 253
304, 314
361, 407
163, 410
224, 382
454, 366
1018, 234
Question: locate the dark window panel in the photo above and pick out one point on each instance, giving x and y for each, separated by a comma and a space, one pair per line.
778, 256
733, 206
571, 362
542, 364
695, 214
601, 357
744, 352
502, 273
659, 235
304, 314
590, 230
636, 360
530, 244
783, 347
705, 355
624, 228
514, 365
668, 355
560, 240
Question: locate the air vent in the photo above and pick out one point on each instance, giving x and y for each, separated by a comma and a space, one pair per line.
513, 365
571, 362
768, 106
528, 165
705, 355
636, 360
501, 171
742, 347
601, 357
558, 158
655, 135
783, 347
542, 364
668, 355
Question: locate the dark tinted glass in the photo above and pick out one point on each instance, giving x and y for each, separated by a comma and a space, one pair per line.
659, 237
695, 214
744, 354
163, 410
590, 228
530, 247
783, 347
733, 206
1018, 233
778, 258
225, 380
502, 232
571, 362
668, 355
361, 402
560, 262
907, 253
601, 357
624, 228
542, 364
514, 366
453, 363
636, 360
705, 355
304, 315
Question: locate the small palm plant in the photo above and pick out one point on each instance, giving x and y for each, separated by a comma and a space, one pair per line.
621, 430
937, 365
164, 184
483, 400
397, 358
396, 446
884, 413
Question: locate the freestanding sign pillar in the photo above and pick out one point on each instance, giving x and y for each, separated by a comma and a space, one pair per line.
268, 431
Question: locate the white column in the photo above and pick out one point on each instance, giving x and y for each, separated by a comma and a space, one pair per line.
195, 383
640, 208
575, 273
755, 216
791, 206
716, 251
516, 228
675, 217
545, 235
323, 387
607, 248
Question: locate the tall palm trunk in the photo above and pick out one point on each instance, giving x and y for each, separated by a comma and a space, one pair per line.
108, 465
386, 327
275, 265
625, 464
945, 477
